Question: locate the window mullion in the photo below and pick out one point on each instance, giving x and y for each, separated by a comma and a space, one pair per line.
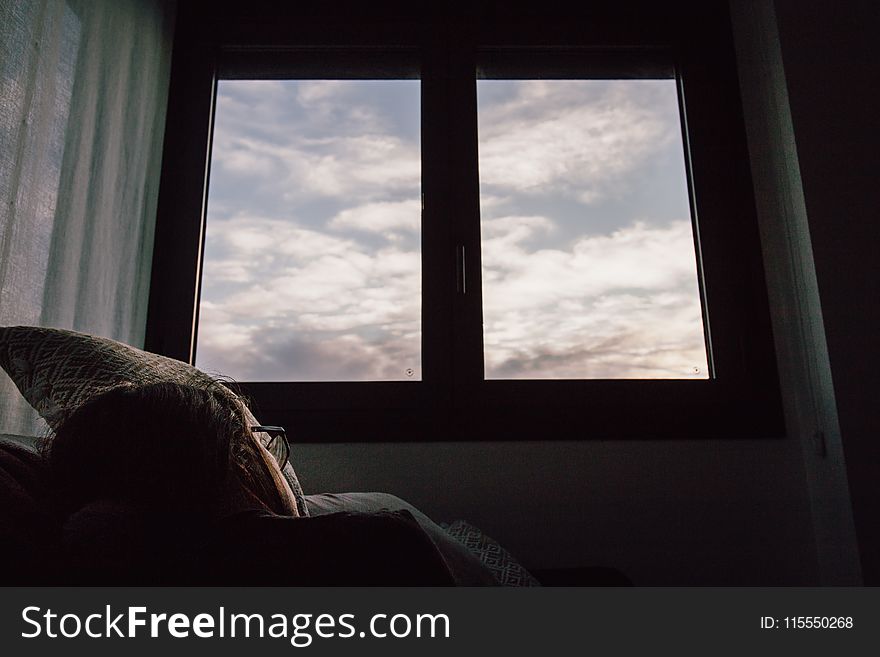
464, 257
172, 312
437, 233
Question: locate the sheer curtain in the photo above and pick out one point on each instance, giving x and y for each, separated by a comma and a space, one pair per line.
83, 90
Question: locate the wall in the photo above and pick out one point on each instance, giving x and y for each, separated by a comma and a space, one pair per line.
831, 65
665, 513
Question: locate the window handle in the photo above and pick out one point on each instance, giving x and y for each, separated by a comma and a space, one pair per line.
460, 279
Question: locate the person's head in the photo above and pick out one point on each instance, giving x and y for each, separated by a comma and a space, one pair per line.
166, 446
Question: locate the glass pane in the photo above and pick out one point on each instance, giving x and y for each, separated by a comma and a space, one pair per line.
589, 267
312, 265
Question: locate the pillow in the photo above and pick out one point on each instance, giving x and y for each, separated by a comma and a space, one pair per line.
507, 570
57, 370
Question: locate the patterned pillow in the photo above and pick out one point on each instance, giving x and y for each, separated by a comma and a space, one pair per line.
507, 570
57, 370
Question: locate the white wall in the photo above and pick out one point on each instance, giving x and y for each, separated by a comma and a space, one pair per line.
665, 513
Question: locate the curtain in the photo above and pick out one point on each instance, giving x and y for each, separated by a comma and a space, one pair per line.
83, 91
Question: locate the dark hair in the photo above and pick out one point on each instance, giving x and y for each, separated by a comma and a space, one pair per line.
163, 446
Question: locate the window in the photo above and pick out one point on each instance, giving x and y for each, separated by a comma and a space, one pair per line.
589, 266
398, 226
312, 258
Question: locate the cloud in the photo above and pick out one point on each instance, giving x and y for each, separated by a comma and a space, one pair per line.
314, 138
622, 305
637, 256
312, 269
366, 166
270, 354
293, 288
385, 218
569, 290
358, 167
319, 92
574, 138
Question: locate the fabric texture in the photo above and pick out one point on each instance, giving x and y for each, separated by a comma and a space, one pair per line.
464, 565
83, 96
57, 370
508, 571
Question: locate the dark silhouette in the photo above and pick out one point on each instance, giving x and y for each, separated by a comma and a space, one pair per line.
167, 484
166, 447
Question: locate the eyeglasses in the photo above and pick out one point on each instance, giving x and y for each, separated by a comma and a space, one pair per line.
277, 445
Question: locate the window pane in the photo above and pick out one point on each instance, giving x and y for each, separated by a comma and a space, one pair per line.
312, 265
589, 267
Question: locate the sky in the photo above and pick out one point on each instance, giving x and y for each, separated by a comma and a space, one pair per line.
312, 250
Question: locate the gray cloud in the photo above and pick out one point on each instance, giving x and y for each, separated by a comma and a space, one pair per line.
272, 354
575, 138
